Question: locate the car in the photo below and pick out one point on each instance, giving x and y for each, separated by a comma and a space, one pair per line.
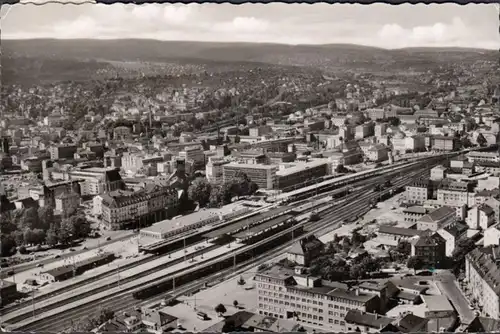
71, 249
84, 247
108, 238
57, 256
40, 265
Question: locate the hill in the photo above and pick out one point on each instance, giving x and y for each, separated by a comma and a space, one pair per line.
88, 56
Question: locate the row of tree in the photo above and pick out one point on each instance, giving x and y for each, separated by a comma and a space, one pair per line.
330, 264
26, 227
205, 193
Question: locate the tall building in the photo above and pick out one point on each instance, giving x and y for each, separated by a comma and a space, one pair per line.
290, 294
263, 175
301, 173
62, 151
214, 169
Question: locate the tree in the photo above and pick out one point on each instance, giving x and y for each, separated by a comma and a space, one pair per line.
66, 232
29, 237
52, 236
404, 248
46, 217
18, 237
199, 191
8, 245
235, 303
253, 188
29, 218
105, 315
39, 236
481, 141
220, 309
415, 263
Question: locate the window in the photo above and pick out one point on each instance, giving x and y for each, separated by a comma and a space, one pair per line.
336, 322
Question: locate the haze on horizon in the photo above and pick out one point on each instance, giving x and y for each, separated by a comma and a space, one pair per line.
378, 25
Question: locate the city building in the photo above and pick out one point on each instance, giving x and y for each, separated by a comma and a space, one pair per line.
169, 228
419, 191
94, 180
444, 143
62, 151
377, 153
480, 217
438, 173
476, 156
304, 251
456, 193
430, 248
300, 173
451, 234
290, 294
365, 322
482, 275
67, 203
437, 219
214, 169
414, 213
263, 175
123, 208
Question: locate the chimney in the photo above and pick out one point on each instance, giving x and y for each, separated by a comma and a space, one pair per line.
357, 291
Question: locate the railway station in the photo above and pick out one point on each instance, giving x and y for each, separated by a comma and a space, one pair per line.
246, 223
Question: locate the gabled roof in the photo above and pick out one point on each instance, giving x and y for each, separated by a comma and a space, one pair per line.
438, 214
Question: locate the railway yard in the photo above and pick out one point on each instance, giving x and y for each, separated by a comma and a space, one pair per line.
186, 263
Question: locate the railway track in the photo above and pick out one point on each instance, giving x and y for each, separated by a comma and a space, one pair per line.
331, 217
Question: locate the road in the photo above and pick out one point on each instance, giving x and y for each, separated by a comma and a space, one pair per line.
448, 287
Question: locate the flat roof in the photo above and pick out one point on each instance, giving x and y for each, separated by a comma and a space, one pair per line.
246, 222
299, 167
169, 225
262, 227
250, 166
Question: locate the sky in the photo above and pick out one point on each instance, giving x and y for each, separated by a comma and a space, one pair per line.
380, 25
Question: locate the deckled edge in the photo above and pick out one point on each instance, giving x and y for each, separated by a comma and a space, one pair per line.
239, 2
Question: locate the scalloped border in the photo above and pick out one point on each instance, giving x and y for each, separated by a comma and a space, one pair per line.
239, 2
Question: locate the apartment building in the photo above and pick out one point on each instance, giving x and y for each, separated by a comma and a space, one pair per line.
194, 154
438, 173
444, 143
95, 180
419, 191
456, 193
63, 151
299, 173
214, 169
121, 208
364, 130
135, 161
480, 217
290, 294
430, 248
482, 275
263, 175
